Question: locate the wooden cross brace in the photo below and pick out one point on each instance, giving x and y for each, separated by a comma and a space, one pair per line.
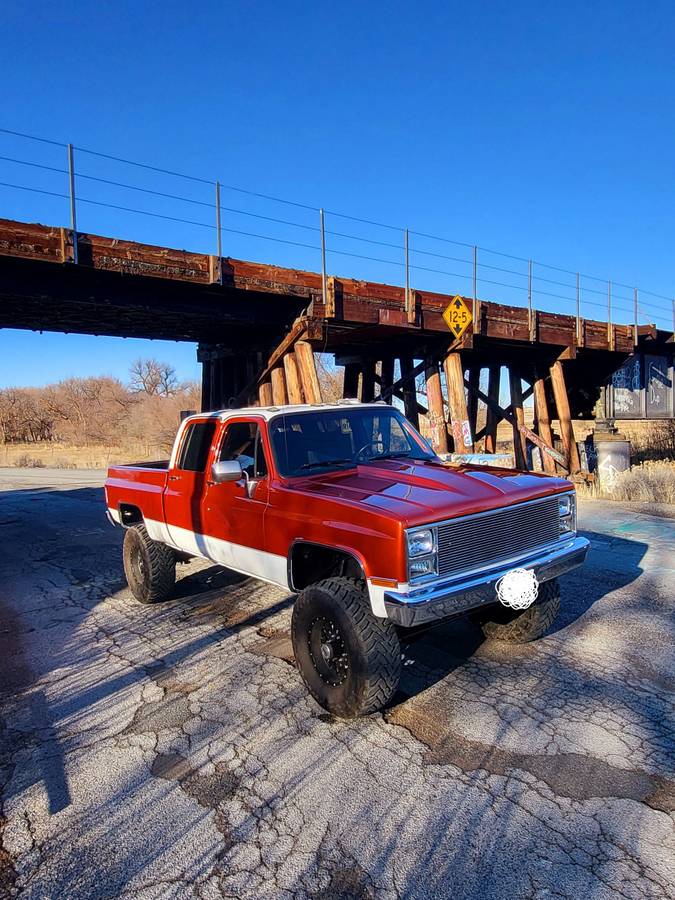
530, 435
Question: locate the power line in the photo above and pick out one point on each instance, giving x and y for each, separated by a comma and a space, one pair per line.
32, 137
435, 237
174, 174
297, 204
332, 212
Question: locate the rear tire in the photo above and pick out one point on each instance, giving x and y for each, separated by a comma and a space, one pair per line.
150, 567
515, 627
349, 659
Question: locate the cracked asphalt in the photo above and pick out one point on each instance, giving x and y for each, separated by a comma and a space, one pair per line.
172, 751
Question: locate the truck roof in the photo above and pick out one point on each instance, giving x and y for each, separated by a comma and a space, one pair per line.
269, 412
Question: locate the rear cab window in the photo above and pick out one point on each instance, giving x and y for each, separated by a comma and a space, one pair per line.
194, 450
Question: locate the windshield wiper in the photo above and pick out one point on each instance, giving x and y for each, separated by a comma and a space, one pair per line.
398, 454
326, 462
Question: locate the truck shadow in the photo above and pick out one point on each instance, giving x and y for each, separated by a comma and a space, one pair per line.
56, 541
431, 653
67, 566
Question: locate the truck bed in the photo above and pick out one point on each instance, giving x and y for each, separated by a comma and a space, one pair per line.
141, 485
155, 464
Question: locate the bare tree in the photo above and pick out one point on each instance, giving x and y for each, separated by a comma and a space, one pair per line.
152, 377
23, 417
330, 378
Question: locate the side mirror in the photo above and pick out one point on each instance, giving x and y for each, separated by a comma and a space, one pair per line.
226, 470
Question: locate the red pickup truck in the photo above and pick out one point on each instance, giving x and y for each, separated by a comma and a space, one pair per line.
347, 506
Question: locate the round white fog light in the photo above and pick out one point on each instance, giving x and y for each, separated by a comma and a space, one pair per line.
517, 588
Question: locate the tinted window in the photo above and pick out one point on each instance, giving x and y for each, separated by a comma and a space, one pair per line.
306, 442
196, 444
242, 441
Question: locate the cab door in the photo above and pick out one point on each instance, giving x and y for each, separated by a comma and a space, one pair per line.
234, 512
186, 484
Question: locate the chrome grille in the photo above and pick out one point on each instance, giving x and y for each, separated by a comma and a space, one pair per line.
471, 542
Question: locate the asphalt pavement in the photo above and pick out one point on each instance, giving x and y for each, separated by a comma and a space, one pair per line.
172, 750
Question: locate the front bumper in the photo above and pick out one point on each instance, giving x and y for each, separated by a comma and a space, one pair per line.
468, 591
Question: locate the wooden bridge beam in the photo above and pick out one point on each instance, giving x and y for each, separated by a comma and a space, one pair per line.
293, 385
459, 416
519, 442
439, 432
543, 421
491, 418
387, 379
307, 368
265, 394
350, 386
564, 417
279, 395
367, 392
409, 390
472, 399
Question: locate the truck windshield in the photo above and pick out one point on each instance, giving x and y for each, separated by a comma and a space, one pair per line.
316, 441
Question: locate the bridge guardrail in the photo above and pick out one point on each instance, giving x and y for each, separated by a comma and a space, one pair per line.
311, 237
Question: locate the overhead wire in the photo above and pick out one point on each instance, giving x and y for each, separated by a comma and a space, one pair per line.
273, 198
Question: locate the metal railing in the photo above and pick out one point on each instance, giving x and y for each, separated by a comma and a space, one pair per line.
312, 238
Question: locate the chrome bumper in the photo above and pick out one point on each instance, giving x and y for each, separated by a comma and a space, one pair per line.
468, 591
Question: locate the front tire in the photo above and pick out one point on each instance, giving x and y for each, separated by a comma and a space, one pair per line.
349, 659
515, 627
150, 567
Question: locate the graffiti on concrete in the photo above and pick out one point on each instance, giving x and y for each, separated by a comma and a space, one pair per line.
659, 386
626, 388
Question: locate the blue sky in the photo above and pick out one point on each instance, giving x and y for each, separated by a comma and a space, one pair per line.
543, 130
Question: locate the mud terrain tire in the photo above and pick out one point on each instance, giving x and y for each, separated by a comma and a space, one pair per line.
349, 659
150, 567
515, 627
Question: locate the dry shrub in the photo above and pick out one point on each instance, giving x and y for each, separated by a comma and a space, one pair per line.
61, 463
649, 482
655, 441
29, 462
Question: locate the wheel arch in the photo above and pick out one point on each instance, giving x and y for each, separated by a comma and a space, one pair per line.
130, 514
311, 561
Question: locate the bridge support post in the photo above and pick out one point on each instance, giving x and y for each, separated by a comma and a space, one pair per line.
224, 374
472, 399
564, 416
439, 431
350, 387
279, 394
292, 379
307, 369
519, 442
265, 394
367, 381
387, 378
491, 417
409, 391
206, 385
543, 421
459, 416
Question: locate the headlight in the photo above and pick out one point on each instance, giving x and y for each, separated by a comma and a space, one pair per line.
422, 555
420, 543
567, 511
421, 567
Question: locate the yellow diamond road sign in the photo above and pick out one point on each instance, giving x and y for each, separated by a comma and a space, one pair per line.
457, 316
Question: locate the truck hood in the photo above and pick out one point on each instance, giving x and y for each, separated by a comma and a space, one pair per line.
422, 491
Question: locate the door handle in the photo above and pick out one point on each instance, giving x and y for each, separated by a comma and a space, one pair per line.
173, 478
